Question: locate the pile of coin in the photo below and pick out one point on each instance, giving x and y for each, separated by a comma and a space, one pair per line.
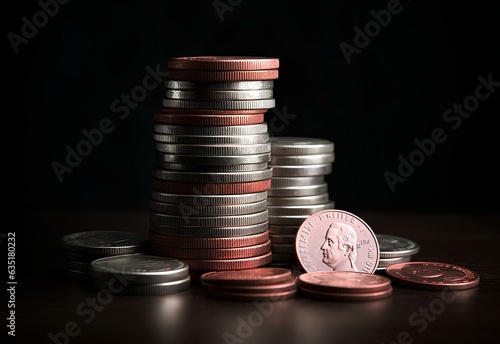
345, 286
394, 250
266, 283
140, 275
208, 205
298, 189
81, 248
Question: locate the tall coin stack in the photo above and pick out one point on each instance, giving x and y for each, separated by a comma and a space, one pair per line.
209, 201
298, 189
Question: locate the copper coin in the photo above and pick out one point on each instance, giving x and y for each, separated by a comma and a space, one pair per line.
248, 277
334, 296
212, 112
220, 75
344, 282
213, 253
208, 120
211, 188
290, 284
207, 242
223, 63
432, 275
238, 296
336, 240
229, 264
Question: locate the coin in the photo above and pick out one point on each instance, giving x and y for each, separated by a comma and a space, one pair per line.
220, 86
296, 181
229, 264
344, 282
206, 210
211, 188
336, 240
147, 289
209, 232
282, 239
299, 209
212, 111
385, 262
282, 248
213, 139
104, 242
392, 246
313, 159
223, 63
208, 120
298, 191
209, 221
248, 277
208, 200
77, 266
204, 242
235, 130
301, 170
287, 220
351, 297
213, 177
189, 149
223, 75
223, 105
433, 275
269, 296
304, 200
300, 146
219, 95
139, 269
283, 230
214, 159
212, 168
290, 284
213, 253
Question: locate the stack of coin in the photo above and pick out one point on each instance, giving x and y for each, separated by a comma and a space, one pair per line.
81, 248
344, 285
298, 189
265, 283
140, 275
394, 250
209, 200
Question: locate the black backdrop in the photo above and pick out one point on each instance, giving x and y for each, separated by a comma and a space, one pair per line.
393, 92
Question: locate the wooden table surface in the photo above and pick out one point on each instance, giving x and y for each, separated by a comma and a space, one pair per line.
47, 301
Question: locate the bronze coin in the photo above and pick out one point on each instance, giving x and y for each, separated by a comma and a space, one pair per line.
223, 63
214, 253
344, 282
248, 277
352, 297
229, 264
208, 120
290, 284
268, 296
211, 188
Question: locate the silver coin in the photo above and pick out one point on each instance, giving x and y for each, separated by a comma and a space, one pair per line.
139, 269
231, 130
304, 200
188, 149
300, 146
385, 262
208, 200
302, 170
251, 139
212, 159
213, 177
77, 275
299, 209
77, 266
283, 229
282, 239
296, 181
219, 95
105, 242
298, 191
204, 210
288, 220
313, 159
282, 248
212, 168
147, 289
392, 246
220, 105
208, 221
210, 232
230, 85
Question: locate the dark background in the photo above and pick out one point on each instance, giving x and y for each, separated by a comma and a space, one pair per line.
393, 92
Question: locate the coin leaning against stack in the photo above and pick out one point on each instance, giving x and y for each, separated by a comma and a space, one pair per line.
298, 189
208, 206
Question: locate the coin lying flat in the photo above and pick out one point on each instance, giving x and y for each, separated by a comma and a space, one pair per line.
236, 130
223, 75
204, 210
213, 159
211, 188
223, 105
214, 253
298, 191
190, 149
300, 146
105, 242
209, 232
223, 63
302, 200
219, 95
351, 297
210, 221
229, 264
206, 242
220, 86
297, 181
212, 168
208, 200
214, 177
301, 170
392, 246
207, 120
164, 288
344, 282
212, 139
312, 159
299, 209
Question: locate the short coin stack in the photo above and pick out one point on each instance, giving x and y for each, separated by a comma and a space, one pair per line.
81, 248
208, 205
140, 275
344, 286
298, 189
265, 283
394, 250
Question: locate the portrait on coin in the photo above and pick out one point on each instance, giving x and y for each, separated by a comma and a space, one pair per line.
339, 247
